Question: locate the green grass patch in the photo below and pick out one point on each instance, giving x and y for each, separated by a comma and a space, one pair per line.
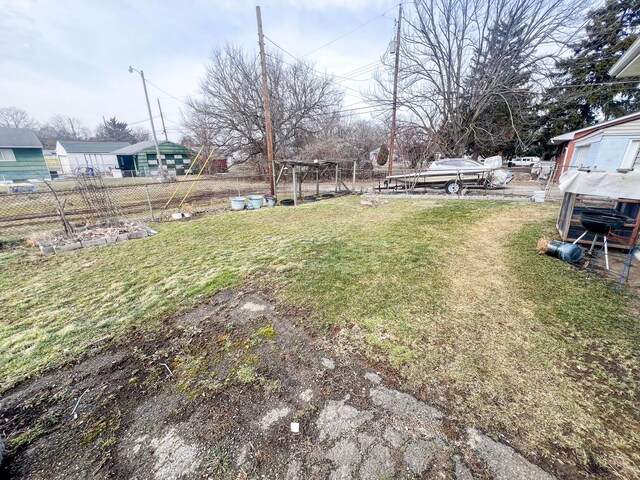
53, 307
468, 318
594, 333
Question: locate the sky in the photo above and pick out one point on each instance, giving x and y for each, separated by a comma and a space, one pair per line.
71, 57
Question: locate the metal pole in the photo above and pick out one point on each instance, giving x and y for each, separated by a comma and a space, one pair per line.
265, 104
337, 179
395, 93
164, 128
146, 189
153, 127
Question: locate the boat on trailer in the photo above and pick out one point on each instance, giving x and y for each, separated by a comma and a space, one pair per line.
452, 174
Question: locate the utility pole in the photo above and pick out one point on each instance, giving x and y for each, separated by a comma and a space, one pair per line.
153, 128
395, 93
265, 103
164, 128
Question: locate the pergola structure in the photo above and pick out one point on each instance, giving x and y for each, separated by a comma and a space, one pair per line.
301, 169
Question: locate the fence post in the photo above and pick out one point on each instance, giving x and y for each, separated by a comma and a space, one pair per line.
353, 182
295, 187
146, 190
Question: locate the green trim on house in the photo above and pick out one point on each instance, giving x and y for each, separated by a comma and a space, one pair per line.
29, 164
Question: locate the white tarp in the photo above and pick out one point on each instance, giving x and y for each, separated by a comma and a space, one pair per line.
602, 184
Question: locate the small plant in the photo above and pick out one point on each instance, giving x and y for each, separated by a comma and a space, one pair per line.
186, 208
246, 374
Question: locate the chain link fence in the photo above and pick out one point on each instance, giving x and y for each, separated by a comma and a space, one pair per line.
23, 214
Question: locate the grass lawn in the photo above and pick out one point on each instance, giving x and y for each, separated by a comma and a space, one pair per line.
450, 294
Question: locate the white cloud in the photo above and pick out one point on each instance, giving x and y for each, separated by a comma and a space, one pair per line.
71, 56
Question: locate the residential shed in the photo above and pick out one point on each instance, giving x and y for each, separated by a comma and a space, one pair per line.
21, 155
608, 146
74, 154
610, 192
140, 159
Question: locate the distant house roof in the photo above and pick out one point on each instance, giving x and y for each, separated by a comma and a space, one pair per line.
18, 138
629, 63
566, 137
140, 146
75, 146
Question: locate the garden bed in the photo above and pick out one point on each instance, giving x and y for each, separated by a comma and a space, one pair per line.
93, 236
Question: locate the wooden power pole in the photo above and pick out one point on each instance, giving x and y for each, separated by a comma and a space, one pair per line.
395, 94
265, 103
164, 128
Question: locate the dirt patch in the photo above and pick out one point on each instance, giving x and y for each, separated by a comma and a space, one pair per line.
214, 393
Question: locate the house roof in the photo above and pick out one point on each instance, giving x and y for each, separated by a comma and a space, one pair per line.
566, 137
629, 63
140, 146
75, 146
18, 138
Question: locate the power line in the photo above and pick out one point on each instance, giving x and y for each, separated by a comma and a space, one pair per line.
316, 72
142, 121
349, 32
165, 92
298, 59
592, 84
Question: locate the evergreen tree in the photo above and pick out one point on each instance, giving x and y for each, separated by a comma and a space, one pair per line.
114, 130
499, 82
383, 154
580, 99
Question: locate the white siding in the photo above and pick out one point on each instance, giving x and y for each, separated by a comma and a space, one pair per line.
628, 128
101, 161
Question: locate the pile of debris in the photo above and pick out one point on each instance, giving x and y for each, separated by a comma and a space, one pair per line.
91, 236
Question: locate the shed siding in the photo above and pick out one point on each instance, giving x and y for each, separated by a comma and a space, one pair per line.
101, 161
169, 150
29, 164
628, 128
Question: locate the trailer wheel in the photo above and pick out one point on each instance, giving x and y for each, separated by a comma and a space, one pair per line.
453, 187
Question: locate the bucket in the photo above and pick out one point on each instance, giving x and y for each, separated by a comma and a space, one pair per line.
237, 203
270, 202
256, 200
538, 196
570, 253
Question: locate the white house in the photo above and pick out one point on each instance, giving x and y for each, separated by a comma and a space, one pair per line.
74, 154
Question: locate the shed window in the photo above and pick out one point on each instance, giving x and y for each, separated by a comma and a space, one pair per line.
630, 158
580, 156
6, 155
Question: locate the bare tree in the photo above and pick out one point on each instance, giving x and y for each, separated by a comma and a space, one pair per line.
69, 128
461, 60
15, 117
228, 112
62, 127
345, 138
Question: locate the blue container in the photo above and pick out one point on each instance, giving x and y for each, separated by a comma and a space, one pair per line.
256, 200
569, 252
237, 203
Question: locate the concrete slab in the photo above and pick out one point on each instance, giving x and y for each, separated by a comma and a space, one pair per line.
67, 247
